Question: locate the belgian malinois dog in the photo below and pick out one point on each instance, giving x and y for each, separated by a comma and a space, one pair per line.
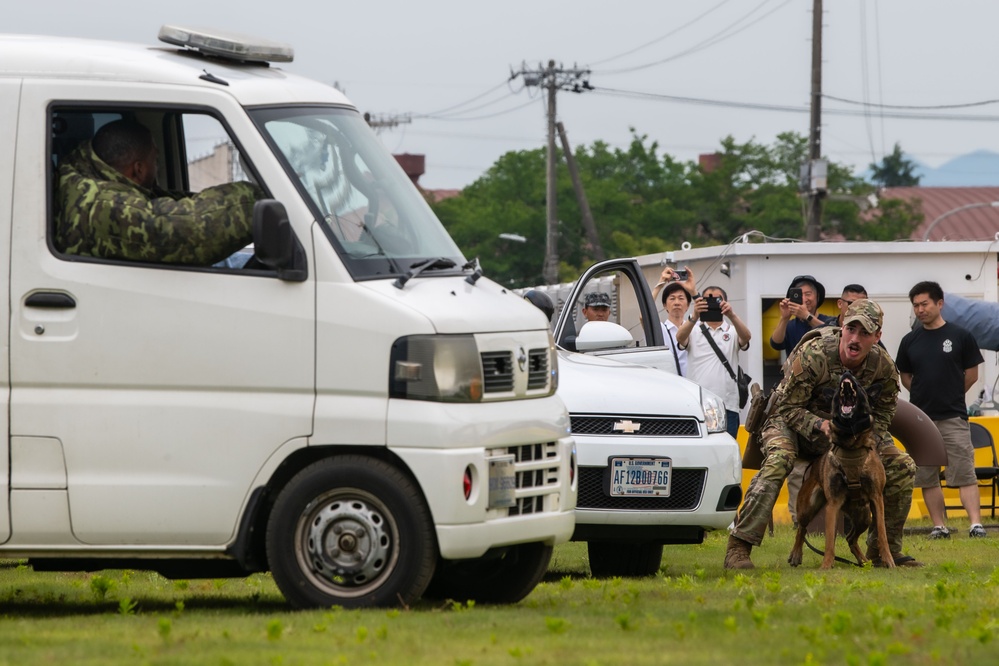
849, 476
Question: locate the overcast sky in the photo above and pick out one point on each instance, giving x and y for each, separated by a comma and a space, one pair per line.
401, 56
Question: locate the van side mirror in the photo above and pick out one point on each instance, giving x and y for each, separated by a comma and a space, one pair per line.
274, 242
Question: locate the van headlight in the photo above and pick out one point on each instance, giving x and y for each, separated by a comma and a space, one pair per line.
715, 419
443, 368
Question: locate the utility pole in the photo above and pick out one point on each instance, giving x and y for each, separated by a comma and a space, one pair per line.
549, 270
593, 240
552, 79
816, 168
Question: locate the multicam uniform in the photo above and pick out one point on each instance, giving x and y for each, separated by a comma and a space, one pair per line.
101, 213
804, 399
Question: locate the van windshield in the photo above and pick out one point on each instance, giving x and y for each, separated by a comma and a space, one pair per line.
374, 216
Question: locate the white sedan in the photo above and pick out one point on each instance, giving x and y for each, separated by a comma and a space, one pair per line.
656, 465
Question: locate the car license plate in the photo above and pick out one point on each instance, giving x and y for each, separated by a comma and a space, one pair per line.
641, 477
502, 482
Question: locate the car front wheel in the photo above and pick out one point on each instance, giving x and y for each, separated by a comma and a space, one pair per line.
624, 559
350, 531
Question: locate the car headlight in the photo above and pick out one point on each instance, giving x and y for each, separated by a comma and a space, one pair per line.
715, 419
443, 368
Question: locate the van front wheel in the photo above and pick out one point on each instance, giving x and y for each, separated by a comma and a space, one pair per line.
350, 531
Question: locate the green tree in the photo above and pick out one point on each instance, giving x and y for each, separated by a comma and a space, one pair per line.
895, 170
644, 201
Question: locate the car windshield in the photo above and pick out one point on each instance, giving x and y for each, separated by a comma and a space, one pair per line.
374, 216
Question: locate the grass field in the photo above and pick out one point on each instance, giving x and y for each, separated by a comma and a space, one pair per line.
693, 612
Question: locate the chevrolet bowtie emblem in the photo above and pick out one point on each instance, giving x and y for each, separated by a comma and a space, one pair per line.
522, 359
627, 427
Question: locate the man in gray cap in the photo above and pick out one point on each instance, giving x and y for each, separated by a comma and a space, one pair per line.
802, 421
597, 306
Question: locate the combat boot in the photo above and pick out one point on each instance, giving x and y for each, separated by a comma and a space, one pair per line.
737, 554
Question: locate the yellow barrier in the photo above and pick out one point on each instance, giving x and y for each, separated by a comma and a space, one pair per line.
983, 458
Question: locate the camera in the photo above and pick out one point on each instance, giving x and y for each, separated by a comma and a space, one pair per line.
794, 295
713, 312
680, 274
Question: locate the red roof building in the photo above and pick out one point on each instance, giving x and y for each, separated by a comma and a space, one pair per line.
952, 213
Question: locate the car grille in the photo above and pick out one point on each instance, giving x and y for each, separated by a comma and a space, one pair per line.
651, 426
537, 364
497, 371
538, 481
686, 489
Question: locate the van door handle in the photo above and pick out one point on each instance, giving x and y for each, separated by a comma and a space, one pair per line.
50, 299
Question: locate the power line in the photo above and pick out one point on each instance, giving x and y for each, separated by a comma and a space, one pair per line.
453, 114
489, 115
787, 108
967, 105
717, 38
467, 101
668, 34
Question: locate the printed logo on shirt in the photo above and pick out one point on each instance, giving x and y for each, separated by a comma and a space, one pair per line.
726, 337
948, 346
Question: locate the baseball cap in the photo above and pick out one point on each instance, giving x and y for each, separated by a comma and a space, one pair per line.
674, 286
820, 291
597, 299
867, 313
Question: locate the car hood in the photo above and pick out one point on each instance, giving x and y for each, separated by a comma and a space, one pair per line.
596, 385
453, 305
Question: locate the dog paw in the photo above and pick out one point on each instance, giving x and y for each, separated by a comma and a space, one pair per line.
794, 559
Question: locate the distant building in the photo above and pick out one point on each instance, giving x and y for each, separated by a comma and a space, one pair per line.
219, 166
960, 213
414, 166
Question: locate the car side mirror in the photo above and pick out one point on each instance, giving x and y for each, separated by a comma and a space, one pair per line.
603, 335
274, 242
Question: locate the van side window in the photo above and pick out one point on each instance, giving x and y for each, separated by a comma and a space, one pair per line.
151, 186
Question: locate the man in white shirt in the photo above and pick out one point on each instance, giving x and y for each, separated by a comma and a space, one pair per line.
704, 365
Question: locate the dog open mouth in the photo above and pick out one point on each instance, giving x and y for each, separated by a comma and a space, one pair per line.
847, 397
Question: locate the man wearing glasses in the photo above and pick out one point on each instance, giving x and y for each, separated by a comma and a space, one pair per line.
851, 293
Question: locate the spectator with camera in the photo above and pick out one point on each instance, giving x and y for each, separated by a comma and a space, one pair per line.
676, 286
712, 344
798, 313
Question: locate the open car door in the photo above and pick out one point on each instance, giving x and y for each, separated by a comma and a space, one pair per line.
634, 335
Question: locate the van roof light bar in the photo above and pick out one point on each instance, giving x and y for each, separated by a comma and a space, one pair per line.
229, 45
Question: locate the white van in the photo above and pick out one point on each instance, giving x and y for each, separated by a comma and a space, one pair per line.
353, 408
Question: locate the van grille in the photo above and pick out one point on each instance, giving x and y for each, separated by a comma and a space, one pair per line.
651, 426
497, 371
537, 471
686, 490
537, 363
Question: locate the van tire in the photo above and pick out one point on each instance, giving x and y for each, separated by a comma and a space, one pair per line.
351, 531
632, 560
503, 578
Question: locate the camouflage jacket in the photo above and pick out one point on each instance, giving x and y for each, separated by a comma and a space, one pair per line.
811, 377
101, 213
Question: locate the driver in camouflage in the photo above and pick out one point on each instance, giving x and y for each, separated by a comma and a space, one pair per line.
801, 426
109, 206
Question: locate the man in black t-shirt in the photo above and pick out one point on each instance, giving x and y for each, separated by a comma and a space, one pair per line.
938, 362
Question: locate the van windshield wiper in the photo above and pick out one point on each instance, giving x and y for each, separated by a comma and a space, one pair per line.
438, 263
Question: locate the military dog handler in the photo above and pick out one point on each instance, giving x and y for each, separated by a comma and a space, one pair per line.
800, 425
